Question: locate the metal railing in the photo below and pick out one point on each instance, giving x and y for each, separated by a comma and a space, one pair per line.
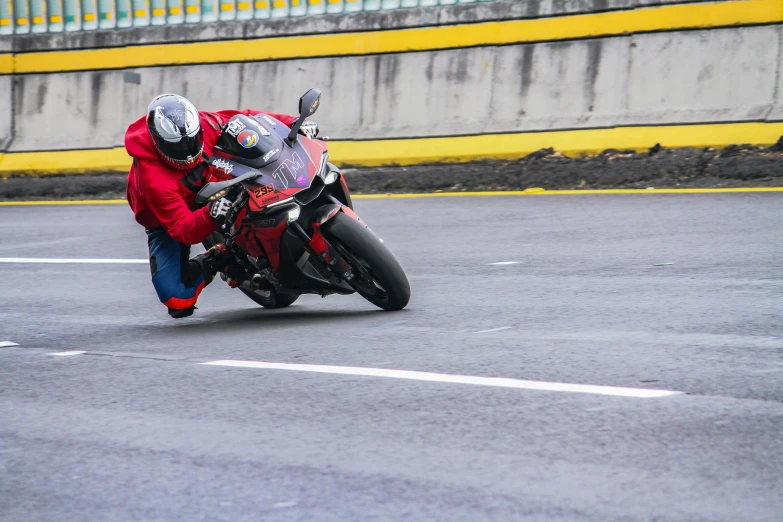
51, 16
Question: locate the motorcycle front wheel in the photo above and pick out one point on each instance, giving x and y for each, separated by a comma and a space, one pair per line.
377, 276
266, 298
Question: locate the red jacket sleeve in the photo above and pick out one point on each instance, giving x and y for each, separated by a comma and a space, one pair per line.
285, 118
164, 200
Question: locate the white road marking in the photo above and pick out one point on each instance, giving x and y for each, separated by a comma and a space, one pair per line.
390, 323
66, 354
65, 261
287, 504
454, 379
7, 344
506, 263
495, 329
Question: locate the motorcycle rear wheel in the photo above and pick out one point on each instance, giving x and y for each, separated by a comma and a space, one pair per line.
378, 277
266, 298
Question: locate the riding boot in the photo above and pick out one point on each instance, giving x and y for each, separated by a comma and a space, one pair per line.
216, 259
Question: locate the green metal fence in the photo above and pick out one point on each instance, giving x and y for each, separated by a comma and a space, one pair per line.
50, 16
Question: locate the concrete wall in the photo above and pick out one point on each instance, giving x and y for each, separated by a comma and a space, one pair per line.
329, 24
6, 101
716, 75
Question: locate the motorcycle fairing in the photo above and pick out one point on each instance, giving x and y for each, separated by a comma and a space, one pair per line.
289, 169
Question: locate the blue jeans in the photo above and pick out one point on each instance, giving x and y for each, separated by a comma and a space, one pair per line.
177, 285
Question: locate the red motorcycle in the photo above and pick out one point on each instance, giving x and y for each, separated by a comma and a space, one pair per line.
292, 229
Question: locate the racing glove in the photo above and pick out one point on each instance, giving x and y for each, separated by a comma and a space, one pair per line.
222, 212
309, 129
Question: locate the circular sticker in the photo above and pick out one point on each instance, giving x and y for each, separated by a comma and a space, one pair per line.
247, 138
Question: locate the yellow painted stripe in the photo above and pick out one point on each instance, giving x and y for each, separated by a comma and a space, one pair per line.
670, 17
226, 7
71, 161
5, 21
262, 5
64, 202
6, 62
510, 193
140, 13
158, 11
55, 19
243, 6
456, 149
89, 17
38, 19
175, 10
192, 9
542, 192
570, 142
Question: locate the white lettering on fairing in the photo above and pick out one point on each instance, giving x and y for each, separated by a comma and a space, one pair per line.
222, 164
234, 127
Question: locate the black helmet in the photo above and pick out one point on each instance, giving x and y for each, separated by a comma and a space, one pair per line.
174, 126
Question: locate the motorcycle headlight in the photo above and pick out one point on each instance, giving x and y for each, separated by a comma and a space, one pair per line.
331, 177
293, 214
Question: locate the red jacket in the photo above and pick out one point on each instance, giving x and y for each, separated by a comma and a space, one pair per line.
155, 193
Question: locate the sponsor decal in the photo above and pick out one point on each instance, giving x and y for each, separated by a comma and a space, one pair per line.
220, 163
301, 180
266, 222
270, 154
247, 139
188, 117
165, 126
269, 120
234, 127
291, 170
263, 191
261, 128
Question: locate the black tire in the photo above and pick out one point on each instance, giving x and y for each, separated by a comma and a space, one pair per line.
266, 298
378, 277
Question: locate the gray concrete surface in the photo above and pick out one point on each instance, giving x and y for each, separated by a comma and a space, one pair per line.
720, 75
329, 24
678, 292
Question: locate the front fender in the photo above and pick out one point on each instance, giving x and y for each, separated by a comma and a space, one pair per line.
324, 213
318, 242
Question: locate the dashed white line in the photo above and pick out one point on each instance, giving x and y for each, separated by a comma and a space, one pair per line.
7, 344
506, 263
495, 329
453, 379
66, 354
65, 261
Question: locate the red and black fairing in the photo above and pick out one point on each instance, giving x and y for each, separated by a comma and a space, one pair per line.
287, 172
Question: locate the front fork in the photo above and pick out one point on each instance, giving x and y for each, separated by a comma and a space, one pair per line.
318, 246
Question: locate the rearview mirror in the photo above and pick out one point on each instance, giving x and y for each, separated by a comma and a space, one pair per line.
308, 104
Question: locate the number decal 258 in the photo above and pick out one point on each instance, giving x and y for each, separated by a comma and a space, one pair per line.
263, 191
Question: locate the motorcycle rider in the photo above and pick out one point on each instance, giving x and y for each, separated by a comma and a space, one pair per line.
171, 148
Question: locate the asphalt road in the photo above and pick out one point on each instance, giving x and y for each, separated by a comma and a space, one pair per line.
675, 292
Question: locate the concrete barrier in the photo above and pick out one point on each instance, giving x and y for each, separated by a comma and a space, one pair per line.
618, 74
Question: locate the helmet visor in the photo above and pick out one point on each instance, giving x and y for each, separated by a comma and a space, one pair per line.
186, 151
